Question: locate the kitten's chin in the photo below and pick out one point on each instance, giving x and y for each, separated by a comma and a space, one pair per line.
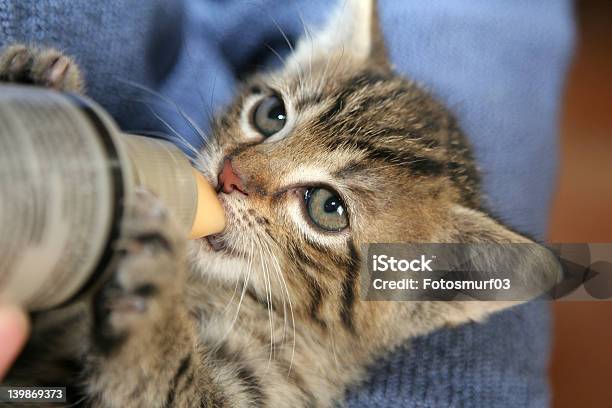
215, 264
215, 243
218, 245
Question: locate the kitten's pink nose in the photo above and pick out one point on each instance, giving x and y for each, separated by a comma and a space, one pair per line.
229, 180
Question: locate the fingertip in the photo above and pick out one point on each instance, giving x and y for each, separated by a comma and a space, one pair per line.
14, 330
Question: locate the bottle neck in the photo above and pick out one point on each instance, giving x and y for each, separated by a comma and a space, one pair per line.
165, 170
162, 168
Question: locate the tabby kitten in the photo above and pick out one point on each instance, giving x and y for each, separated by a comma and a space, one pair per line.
329, 152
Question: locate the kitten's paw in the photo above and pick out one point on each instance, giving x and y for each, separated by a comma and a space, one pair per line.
148, 281
43, 67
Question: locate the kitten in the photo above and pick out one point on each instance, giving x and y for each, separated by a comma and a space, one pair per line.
331, 151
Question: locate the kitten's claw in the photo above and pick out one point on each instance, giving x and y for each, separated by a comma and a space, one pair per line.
15, 64
19, 60
42, 67
57, 71
148, 278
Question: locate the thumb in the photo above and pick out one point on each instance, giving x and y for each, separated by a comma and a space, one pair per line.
14, 329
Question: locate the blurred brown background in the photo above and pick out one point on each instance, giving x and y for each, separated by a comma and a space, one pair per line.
581, 370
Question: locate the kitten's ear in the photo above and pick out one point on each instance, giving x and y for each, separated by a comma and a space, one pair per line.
351, 32
538, 267
473, 226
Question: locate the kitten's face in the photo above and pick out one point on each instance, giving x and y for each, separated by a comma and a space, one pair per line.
330, 152
328, 157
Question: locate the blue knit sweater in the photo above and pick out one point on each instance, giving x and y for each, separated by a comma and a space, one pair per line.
498, 64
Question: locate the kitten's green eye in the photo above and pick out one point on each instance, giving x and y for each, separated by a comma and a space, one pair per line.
326, 209
269, 115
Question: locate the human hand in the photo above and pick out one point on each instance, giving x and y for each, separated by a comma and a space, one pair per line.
14, 330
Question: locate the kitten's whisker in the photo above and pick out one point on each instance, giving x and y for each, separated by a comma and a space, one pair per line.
152, 133
165, 136
198, 89
78, 402
327, 74
280, 274
269, 306
158, 134
338, 61
286, 298
229, 303
280, 57
211, 109
282, 32
331, 54
206, 164
323, 78
299, 66
310, 40
170, 102
186, 143
244, 289
266, 247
